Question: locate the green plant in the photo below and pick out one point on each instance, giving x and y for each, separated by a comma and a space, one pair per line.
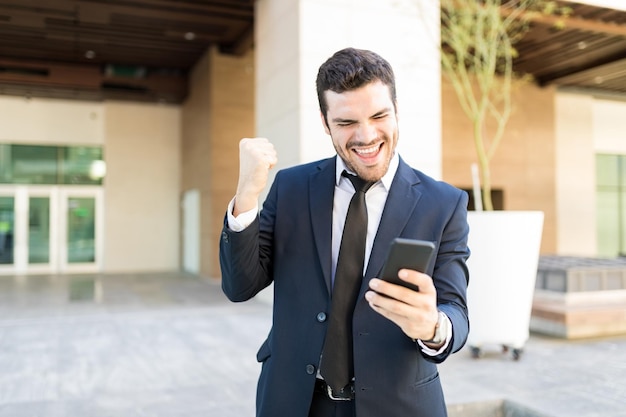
478, 38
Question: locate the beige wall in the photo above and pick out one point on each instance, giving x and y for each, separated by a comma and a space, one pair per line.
586, 126
46, 121
524, 166
217, 114
575, 171
141, 145
609, 125
142, 187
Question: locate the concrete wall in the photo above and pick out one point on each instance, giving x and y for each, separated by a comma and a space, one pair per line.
609, 125
46, 122
293, 38
217, 114
142, 187
141, 146
525, 161
575, 172
586, 126
546, 160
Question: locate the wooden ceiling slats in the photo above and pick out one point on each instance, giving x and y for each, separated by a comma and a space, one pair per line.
152, 34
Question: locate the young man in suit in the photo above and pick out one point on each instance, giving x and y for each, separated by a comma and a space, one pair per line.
395, 335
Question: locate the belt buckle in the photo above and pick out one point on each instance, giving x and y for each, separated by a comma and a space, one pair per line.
348, 397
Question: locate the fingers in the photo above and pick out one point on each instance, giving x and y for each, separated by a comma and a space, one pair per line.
387, 305
415, 312
418, 279
258, 151
256, 157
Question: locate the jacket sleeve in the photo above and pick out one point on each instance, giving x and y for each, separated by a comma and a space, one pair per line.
245, 257
451, 277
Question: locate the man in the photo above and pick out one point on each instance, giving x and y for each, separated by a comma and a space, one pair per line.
396, 335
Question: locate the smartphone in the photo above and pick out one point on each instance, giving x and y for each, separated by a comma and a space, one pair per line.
407, 253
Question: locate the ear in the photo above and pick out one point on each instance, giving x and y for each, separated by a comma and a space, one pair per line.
326, 128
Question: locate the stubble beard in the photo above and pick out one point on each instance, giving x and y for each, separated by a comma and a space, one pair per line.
370, 173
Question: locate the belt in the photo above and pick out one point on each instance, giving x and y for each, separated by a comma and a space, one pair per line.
346, 393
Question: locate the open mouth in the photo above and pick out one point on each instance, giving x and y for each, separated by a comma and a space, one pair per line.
369, 151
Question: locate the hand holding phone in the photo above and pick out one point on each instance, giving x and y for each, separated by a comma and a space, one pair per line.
410, 254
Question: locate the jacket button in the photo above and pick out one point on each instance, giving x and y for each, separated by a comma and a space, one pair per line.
225, 237
310, 369
321, 317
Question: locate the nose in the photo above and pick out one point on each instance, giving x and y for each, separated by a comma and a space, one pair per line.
367, 132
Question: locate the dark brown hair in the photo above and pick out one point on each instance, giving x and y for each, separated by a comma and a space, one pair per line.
349, 69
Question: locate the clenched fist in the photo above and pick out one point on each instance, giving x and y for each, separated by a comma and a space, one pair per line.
256, 157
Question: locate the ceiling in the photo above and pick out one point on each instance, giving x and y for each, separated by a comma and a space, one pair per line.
143, 50
589, 53
114, 49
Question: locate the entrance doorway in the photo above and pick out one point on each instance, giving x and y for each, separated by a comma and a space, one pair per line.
50, 229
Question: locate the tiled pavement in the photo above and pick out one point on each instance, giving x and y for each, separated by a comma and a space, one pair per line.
171, 345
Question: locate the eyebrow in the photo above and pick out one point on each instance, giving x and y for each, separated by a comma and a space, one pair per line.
378, 113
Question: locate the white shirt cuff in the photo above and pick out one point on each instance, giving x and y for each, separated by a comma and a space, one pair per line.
433, 352
243, 220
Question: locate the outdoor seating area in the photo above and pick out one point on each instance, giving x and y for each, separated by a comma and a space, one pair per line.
171, 345
580, 297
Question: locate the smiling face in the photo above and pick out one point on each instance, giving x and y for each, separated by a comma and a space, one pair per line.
363, 126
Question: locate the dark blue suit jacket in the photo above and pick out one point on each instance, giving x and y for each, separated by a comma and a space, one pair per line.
290, 245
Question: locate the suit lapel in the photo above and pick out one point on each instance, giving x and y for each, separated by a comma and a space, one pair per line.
321, 192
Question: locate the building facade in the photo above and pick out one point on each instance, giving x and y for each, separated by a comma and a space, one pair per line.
172, 169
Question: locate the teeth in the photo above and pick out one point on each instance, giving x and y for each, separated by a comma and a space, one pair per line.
366, 151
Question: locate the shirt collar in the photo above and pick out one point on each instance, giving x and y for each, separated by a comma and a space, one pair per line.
386, 180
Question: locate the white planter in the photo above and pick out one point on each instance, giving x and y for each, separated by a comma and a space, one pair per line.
504, 249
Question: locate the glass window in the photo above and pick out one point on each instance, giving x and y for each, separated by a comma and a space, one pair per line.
7, 227
70, 165
82, 165
5, 164
611, 204
607, 170
34, 164
39, 230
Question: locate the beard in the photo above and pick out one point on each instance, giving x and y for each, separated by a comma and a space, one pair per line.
368, 172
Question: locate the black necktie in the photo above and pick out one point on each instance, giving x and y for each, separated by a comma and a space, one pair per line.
337, 365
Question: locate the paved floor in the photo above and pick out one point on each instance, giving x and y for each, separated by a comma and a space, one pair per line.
171, 345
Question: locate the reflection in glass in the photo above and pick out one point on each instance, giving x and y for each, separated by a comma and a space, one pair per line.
5, 164
6, 230
611, 204
32, 164
82, 289
39, 230
607, 219
81, 230
81, 165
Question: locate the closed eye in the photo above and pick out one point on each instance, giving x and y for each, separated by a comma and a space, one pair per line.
344, 122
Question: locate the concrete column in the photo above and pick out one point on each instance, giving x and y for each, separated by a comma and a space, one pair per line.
294, 37
216, 115
575, 187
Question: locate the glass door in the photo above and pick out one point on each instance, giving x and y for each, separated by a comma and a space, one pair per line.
39, 248
38, 229
81, 229
26, 229
50, 229
7, 231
